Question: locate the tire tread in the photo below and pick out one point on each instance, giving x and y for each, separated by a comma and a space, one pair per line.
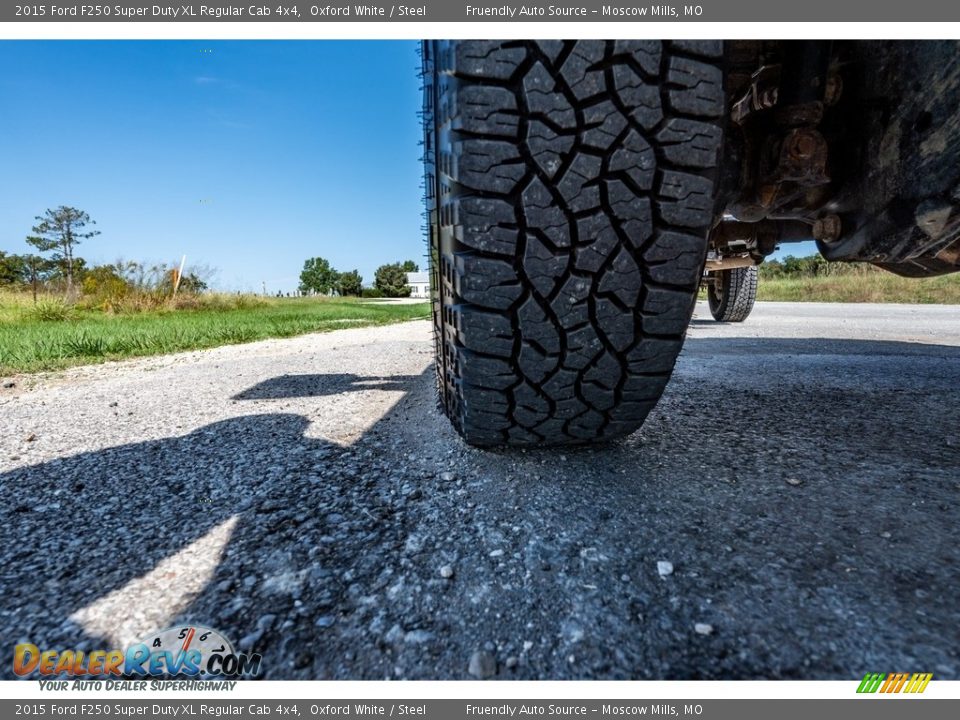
570, 190
738, 294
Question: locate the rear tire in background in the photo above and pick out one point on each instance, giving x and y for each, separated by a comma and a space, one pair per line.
732, 293
570, 187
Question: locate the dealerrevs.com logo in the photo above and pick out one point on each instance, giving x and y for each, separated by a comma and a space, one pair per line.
888, 683
192, 651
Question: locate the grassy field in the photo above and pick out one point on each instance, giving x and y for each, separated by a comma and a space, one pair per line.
51, 335
852, 283
873, 286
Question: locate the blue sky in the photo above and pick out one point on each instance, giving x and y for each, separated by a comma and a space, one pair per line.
246, 156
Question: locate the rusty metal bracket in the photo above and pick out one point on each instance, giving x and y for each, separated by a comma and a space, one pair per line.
729, 263
761, 95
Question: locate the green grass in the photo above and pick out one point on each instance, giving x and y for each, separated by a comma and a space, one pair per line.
52, 335
857, 284
874, 286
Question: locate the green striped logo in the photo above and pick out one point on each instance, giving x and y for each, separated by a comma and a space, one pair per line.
871, 682
894, 682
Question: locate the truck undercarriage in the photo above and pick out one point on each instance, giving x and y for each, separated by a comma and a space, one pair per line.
852, 144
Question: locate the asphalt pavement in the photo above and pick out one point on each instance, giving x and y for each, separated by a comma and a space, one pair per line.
789, 510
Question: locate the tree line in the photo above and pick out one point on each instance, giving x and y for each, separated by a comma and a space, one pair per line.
57, 267
810, 266
319, 277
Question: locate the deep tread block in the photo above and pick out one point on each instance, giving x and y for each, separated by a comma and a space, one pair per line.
486, 224
578, 184
487, 372
547, 147
636, 158
645, 53
544, 268
616, 325
486, 59
675, 258
485, 332
550, 48
570, 303
486, 282
685, 199
703, 48
487, 110
598, 240
531, 407
634, 214
664, 312
534, 363
691, 143
641, 100
623, 278
695, 87
583, 345
541, 212
578, 69
492, 165
586, 426
542, 98
537, 327
605, 124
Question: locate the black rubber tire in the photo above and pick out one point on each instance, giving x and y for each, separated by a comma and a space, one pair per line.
737, 293
570, 188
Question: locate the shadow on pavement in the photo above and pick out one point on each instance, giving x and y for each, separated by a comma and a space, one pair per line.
810, 514
95, 524
318, 385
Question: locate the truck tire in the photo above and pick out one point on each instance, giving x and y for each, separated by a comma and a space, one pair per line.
732, 294
570, 187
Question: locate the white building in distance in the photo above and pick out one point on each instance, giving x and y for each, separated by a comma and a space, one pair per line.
419, 284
